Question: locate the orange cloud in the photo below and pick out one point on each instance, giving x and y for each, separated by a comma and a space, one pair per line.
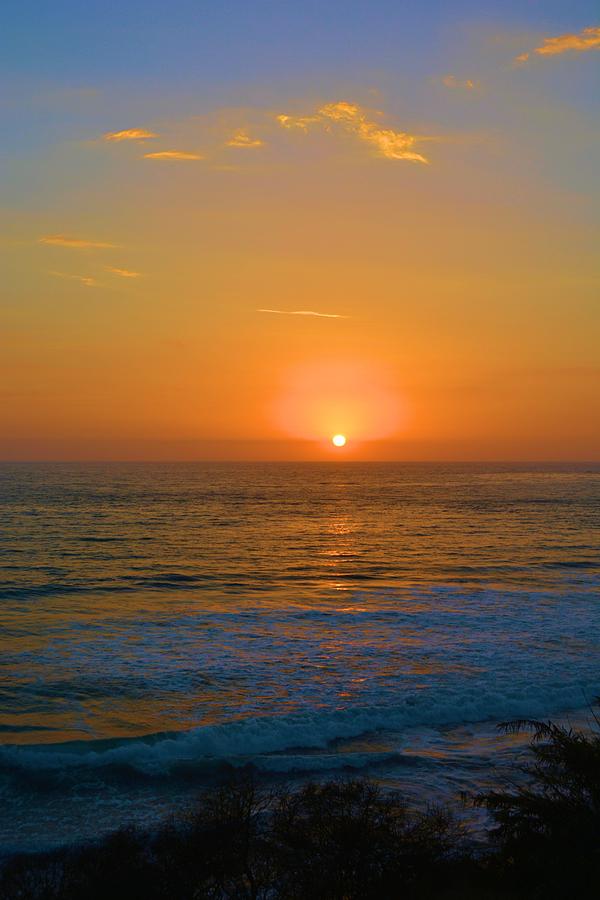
173, 155
242, 139
302, 312
124, 273
130, 134
451, 81
63, 240
82, 279
353, 119
588, 39
301, 122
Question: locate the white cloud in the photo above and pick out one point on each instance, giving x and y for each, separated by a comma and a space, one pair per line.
302, 312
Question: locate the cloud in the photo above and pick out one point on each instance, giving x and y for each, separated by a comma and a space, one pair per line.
451, 81
124, 273
130, 134
353, 119
302, 312
173, 155
242, 139
588, 39
301, 122
82, 279
64, 240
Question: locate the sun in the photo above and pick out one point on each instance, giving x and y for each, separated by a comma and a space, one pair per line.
338, 440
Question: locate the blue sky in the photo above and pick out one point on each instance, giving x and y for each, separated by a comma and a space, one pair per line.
168, 57
181, 44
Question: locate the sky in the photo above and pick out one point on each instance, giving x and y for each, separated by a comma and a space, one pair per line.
231, 231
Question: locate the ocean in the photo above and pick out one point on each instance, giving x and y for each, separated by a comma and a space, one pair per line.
164, 624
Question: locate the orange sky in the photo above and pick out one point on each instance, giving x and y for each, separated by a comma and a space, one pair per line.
441, 225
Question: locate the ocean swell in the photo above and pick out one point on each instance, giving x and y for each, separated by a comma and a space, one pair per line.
262, 740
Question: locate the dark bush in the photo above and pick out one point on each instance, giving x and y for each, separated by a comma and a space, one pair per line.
348, 840
342, 840
548, 827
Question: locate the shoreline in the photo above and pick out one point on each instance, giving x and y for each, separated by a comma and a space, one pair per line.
433, 766
347, 839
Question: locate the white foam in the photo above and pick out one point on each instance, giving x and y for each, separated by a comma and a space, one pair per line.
249, 739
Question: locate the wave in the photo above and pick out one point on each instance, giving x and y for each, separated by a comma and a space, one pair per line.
280, 743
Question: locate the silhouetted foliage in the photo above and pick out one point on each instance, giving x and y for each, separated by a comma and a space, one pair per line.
334, 841
347, 840
548, 827
340, 840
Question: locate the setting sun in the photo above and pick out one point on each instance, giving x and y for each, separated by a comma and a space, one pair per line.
338, 440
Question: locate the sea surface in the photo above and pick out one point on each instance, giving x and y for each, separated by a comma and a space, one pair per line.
163, 624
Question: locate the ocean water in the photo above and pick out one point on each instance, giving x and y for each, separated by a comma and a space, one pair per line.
162, 624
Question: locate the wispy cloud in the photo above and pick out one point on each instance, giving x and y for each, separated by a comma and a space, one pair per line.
65, 240
301, 122
588, 39
130, 134
302, 312
82, 279
123, 273
353, 119
173, 155
243, 140
451, 81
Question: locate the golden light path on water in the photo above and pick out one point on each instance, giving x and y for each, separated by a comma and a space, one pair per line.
305, 619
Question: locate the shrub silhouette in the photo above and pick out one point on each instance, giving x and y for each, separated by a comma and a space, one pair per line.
227, 834
336, 840
348, 840
341, 840
548, 828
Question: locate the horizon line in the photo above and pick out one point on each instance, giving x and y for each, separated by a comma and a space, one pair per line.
339, 459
